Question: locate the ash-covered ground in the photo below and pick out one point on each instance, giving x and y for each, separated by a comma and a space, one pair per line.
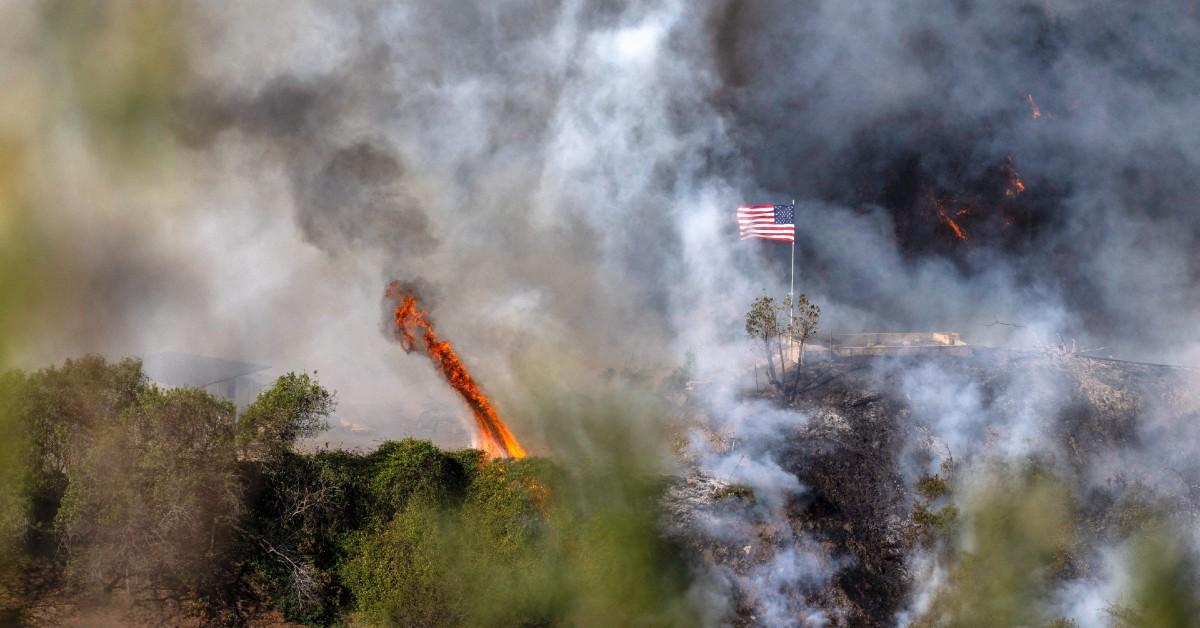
852, 511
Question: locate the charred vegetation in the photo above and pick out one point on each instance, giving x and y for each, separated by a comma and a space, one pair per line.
880, 488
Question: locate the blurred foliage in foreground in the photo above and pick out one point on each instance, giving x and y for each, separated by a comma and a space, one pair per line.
1016, 537
86, 108
1163, 591
90, 92
1023, 534
164, 505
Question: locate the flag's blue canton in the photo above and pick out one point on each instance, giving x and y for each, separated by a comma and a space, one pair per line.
785, 214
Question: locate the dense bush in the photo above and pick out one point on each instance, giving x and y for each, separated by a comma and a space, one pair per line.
150, 505
116, 485
15, 498
165, 499
296, 407
303, 507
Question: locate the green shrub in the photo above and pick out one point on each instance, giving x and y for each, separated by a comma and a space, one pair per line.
411, 468
454, 553
932, 487
930, 523
735, 491
303, 510
399, 574
150, 492
295, 407
940, 520
16, 503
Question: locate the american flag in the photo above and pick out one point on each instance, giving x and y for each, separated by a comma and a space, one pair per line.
772, 222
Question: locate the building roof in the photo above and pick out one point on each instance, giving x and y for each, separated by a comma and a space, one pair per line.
187, 369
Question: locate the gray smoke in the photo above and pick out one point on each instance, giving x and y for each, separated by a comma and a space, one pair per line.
563, 176
578, 163
891, 106
787, 566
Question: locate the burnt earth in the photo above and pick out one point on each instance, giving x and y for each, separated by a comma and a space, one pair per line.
864, 437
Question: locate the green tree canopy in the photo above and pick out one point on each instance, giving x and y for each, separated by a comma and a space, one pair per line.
803, 316
152, 484
762, 322
295, 407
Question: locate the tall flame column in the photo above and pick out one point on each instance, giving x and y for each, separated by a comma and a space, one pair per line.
495, 439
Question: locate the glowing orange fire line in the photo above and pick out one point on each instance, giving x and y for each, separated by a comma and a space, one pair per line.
495, 438
1016, 186
959, 232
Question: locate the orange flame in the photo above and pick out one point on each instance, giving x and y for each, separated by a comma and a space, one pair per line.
1015, 185
494, 437
959, 232
1033, 108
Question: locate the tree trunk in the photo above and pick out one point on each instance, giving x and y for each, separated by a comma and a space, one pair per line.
770, 364
782, 361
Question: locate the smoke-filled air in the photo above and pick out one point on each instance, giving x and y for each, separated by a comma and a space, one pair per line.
600, 313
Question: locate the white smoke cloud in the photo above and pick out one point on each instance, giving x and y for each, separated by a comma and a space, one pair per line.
563, 176
785, 566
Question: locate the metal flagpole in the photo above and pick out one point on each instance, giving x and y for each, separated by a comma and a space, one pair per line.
792, 280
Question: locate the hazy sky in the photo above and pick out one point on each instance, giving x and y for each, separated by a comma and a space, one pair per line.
562, 177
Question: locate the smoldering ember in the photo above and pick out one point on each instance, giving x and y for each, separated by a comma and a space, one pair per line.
600, 313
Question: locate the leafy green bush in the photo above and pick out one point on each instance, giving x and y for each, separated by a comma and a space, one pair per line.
151, 504
302, 509
736, 491
164, 497
416, 469
295, 407
932, 487
930, 522
463, 543
398, 573
939, 520
15, 484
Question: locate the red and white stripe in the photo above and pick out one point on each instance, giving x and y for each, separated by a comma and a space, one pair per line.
758, 221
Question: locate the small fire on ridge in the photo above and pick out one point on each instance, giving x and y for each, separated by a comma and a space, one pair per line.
959, 232
1035, 112
494, 437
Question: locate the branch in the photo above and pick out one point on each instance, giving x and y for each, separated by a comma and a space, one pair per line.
302, 582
